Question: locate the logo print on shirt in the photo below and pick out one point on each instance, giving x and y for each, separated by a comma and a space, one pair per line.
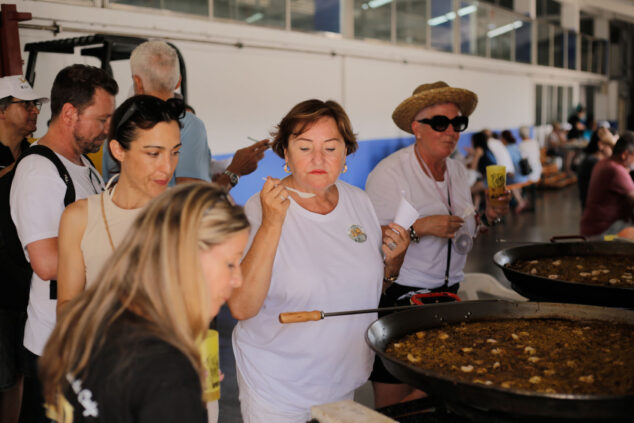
355, 232
84, 397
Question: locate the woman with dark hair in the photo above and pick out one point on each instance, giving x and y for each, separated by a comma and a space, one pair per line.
310, 251
482, 156
128, 349
145, 140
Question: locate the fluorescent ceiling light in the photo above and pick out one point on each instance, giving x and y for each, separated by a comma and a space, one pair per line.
378, 3
450, 16
504, 29
254, 18
467, 10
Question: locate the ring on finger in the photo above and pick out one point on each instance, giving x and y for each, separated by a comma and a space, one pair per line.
391, 245
283, 197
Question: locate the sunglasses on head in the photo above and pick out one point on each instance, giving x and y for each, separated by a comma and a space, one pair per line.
440, 123
154, 109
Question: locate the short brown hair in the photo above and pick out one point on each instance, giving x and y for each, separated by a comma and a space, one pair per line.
76, 84
303, 115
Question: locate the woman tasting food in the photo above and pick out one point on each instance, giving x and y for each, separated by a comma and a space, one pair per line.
438, 188
145, 140
127, 350
309, 254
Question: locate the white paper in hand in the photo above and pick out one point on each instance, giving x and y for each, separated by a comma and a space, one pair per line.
468, 211
406, 214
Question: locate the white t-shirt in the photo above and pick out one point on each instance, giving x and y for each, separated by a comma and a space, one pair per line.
37, 203
502, 155
318, 266
400, 174
530, 149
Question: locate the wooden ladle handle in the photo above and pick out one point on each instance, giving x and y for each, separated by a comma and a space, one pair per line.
300, 316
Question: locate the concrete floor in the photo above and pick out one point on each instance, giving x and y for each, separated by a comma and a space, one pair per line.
556, 213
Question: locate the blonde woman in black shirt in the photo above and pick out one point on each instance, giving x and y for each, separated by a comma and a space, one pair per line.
127, 349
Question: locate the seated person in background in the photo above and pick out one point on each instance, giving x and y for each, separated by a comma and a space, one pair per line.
481, 158
577, 124
556, 143
575, 135
145, 141
611, 192
530, 149
308, 254
128, 349
599, 147
515, 177
555, 140
502, 156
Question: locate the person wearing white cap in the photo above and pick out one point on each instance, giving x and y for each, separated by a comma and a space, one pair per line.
19, 107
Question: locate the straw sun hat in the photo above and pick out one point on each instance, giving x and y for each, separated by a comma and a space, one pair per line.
428, 95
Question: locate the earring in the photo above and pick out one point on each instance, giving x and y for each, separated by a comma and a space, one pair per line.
286, 169
345, 168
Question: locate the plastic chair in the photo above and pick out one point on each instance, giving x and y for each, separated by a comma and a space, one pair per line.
482, 286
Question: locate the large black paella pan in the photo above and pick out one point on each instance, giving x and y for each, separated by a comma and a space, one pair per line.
517, 405
540, 288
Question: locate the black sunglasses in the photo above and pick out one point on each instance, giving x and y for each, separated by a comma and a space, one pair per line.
154, 109
29, 104
440, 123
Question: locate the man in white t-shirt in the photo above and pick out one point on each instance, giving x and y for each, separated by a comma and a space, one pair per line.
82, 103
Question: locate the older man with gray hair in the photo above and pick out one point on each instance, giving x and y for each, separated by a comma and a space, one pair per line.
155, 71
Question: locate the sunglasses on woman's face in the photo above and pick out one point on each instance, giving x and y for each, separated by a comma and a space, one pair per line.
440, 123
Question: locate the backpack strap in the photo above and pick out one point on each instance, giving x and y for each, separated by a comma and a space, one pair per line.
42, 150
69, 197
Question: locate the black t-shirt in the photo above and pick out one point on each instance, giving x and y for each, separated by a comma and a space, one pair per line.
487, 159
136, 377
574, 132
6, 158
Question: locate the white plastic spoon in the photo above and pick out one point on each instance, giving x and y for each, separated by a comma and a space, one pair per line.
298, 192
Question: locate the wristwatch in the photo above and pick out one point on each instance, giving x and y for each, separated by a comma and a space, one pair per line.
390, 279
488, 222
233, 178
413, 236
